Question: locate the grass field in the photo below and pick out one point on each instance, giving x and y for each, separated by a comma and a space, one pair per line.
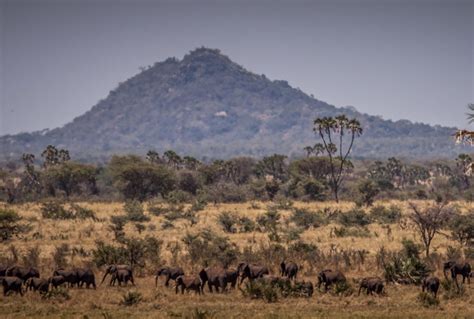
400, 301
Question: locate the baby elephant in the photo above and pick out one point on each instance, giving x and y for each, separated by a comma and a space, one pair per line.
371, 285
12, 284
37, 284
430, 284
189, 283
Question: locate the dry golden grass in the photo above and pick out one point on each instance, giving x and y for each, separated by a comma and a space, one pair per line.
162, 302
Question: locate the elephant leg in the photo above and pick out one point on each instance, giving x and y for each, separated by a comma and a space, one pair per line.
167, 281
209, 286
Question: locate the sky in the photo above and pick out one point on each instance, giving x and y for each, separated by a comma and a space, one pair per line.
397, 59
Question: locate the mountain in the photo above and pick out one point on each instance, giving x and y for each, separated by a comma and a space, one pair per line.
207, 105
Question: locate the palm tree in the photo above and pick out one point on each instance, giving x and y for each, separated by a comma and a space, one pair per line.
470, 116
333, 130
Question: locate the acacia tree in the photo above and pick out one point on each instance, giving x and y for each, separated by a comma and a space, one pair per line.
338, 130
429, 221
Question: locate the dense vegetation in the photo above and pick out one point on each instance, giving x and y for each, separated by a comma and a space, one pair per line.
178, 178
208, 106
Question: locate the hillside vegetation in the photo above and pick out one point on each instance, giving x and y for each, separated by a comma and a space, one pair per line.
208, 106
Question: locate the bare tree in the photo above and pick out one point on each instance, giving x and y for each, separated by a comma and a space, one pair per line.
429, 221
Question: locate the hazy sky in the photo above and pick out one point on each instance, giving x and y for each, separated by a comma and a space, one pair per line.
399, 59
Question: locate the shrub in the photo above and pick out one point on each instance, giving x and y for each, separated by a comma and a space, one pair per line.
55, 210
246, 224
131, 298
260, 290
135, 212
343, 288
82, 212
118, 223
228, 220
427, 299
59, 293
384, 215
59, 255
269, 220
206, 247
451, 291
105, 254
32, 257
351, 232
354, 217
306, 218
368, 190
404, 266
9, 224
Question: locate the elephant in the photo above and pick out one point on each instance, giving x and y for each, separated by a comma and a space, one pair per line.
330, 277
189, 283
22, 272
85, 276
112, 269
215, 277
3, 271
171, 273
463, 269
232, 277
371, 285
251, 271
56, 281
12, 283
122, 276
289, 269
70, 276
37, 284
430, 284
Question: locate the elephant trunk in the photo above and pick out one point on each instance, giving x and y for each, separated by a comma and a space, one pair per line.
103, 279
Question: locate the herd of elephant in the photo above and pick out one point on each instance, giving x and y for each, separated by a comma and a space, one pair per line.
16, 279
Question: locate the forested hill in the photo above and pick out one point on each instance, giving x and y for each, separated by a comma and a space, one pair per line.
208, 106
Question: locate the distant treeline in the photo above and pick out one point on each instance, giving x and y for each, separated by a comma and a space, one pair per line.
179, 178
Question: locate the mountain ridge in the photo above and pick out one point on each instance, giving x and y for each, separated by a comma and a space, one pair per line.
206, 105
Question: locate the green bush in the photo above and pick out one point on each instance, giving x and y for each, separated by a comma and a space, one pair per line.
354, 217
135, 212
55, 210
10, 224
246, 225
451, 291
306, 218
206, 248
404, 266
131, 298
384, 215
260, 290
228, 220
59, 293
351, 232
427, 299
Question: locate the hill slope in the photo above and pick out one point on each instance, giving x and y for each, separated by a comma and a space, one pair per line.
207, 105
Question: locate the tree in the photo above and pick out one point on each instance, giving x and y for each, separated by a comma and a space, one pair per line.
333, 130
462, 228
139, 180
274, 166
53, 156
71, 177
172, 159
368, 191
429, 221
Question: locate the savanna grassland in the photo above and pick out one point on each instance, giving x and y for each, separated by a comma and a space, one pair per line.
337, 244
